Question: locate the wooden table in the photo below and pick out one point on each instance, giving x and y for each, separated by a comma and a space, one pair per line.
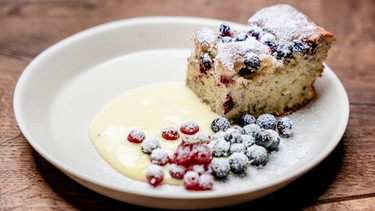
345, 180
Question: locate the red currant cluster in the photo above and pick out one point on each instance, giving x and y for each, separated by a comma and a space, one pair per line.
189, 162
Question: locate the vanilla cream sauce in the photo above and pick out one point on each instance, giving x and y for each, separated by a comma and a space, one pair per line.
150, 108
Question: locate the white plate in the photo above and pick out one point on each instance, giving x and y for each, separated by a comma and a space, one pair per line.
64, 87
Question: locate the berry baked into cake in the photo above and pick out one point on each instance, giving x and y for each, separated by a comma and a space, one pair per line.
269, 68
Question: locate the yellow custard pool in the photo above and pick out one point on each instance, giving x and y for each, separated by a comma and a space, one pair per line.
151, 109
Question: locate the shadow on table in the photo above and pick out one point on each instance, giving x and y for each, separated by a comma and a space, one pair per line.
299, 194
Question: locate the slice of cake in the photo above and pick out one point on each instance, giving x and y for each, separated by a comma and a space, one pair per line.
269, 68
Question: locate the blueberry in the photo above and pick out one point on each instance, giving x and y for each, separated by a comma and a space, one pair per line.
282, 51
224, 29
206, 60
275, 140
263, 138
284, 126
237, 127
241, 37
220, 148
257, 155
268, 39
266, 121
233, 134
299, 46
220, 124
150, 144
246, 120
220, 167
255, 31
226, 39
238, 162
247, 140
218, 135
251, 129
251, 61
237, 147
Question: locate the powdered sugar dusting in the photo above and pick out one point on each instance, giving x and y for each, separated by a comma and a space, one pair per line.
284, 21
230, 52
206, 36
159, 156
155, 170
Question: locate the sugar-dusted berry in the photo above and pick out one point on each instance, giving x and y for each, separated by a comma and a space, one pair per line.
220, 147
220, 124
206, 60
170, 133
159, 156
206, 181
275, 138
251, 61
188, 140
247, 140
284, 126
263, 138
136, 136
257, 155
266, 121
251, 129
226, 39
203, 137
246, 120
238, 162
237, 147
255, 31
220, 167
189, 127
155, 175
206, 63
299, 46
182, 155
282, 51
177, 171
191, 180
233, 134
241, 37
268, 39
149, 144
225, 30
201, 154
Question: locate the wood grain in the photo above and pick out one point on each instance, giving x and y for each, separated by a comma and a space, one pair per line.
345, 180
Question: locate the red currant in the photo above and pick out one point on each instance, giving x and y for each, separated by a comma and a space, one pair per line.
136, 136
201, 154
191, 180
182, 155
170, 133
155, 175
206, 181
177, 171
189, 128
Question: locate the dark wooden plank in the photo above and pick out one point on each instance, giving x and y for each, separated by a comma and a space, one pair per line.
343, 181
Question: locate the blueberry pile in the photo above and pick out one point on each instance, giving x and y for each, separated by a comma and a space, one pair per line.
236, 147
